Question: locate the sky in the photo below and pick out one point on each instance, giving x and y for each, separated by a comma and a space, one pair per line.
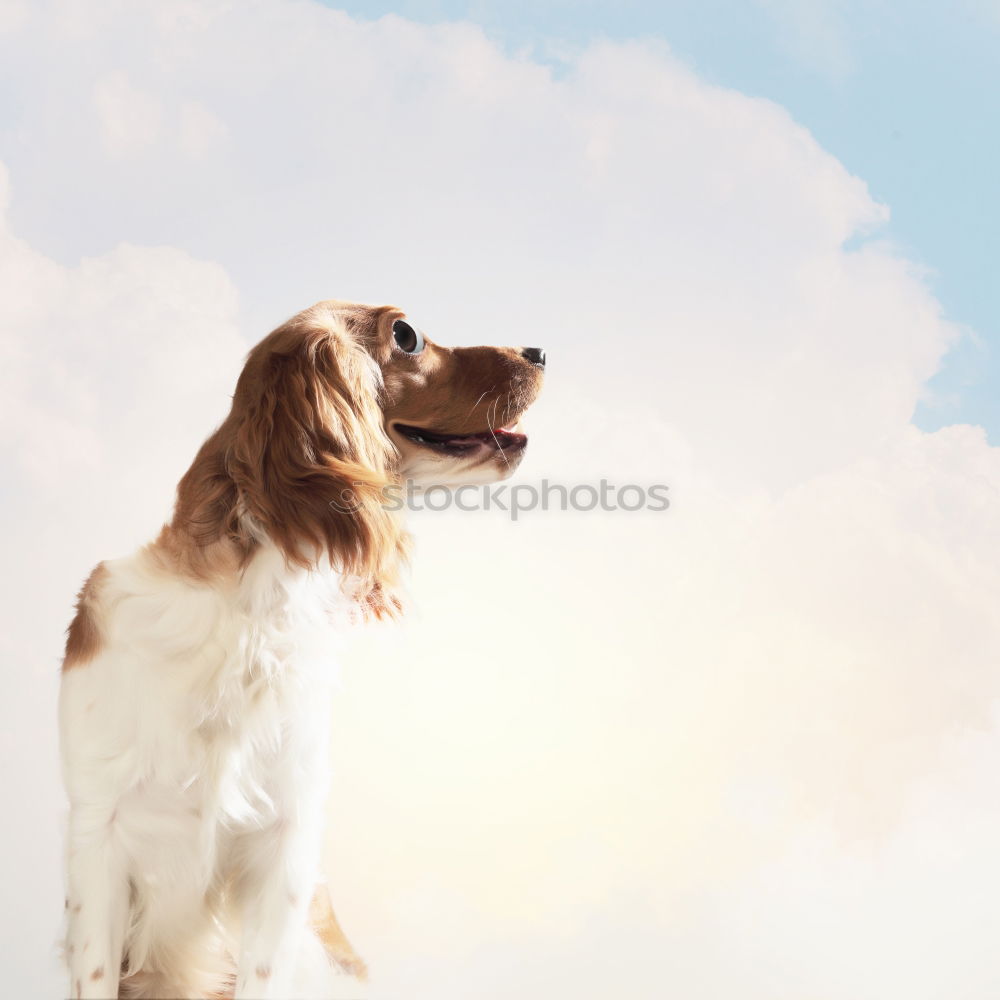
744, 747
904, 94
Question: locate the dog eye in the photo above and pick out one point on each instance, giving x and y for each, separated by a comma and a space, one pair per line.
409, 340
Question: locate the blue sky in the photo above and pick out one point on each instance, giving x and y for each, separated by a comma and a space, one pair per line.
904, 94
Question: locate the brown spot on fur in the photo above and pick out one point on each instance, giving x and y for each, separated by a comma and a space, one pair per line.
77, 908
263, 971
225, 990
378, 603
79, 990
83, 638
97, 974
327, 928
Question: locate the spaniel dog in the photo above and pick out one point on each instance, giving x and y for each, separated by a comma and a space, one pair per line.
193, 703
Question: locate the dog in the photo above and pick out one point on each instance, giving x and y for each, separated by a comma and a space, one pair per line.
193, 705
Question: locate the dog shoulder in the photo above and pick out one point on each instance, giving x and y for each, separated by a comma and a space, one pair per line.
85, 635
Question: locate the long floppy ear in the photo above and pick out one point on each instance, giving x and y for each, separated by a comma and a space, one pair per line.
309, 455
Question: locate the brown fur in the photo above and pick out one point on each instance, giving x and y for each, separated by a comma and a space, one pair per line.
305, 452
303, 456
462, 390
327, 927
83, 637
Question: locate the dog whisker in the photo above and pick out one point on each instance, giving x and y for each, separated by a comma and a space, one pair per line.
508, 409
478, 401
496, 402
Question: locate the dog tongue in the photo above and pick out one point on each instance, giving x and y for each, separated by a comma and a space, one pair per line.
505, 437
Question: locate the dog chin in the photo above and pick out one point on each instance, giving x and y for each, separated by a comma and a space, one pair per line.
434, 459
425, 470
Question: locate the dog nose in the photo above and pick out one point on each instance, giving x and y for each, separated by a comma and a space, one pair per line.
535, 355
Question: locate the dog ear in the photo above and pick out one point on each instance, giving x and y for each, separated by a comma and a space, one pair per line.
309, 454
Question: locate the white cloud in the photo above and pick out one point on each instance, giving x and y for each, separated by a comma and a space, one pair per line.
650, 754
201, 132
12, 14
111, 373
129, 117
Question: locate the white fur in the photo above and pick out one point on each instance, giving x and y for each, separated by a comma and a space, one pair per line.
195, 757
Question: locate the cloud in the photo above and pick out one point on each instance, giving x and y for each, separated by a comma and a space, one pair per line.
129, 118
111, 372
704, 753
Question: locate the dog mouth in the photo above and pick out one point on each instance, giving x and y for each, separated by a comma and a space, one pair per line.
498, 439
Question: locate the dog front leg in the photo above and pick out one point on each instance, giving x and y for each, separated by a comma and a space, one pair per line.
97, 904
276, 891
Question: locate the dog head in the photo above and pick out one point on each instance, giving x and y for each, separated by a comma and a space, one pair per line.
334, 406
451, 413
